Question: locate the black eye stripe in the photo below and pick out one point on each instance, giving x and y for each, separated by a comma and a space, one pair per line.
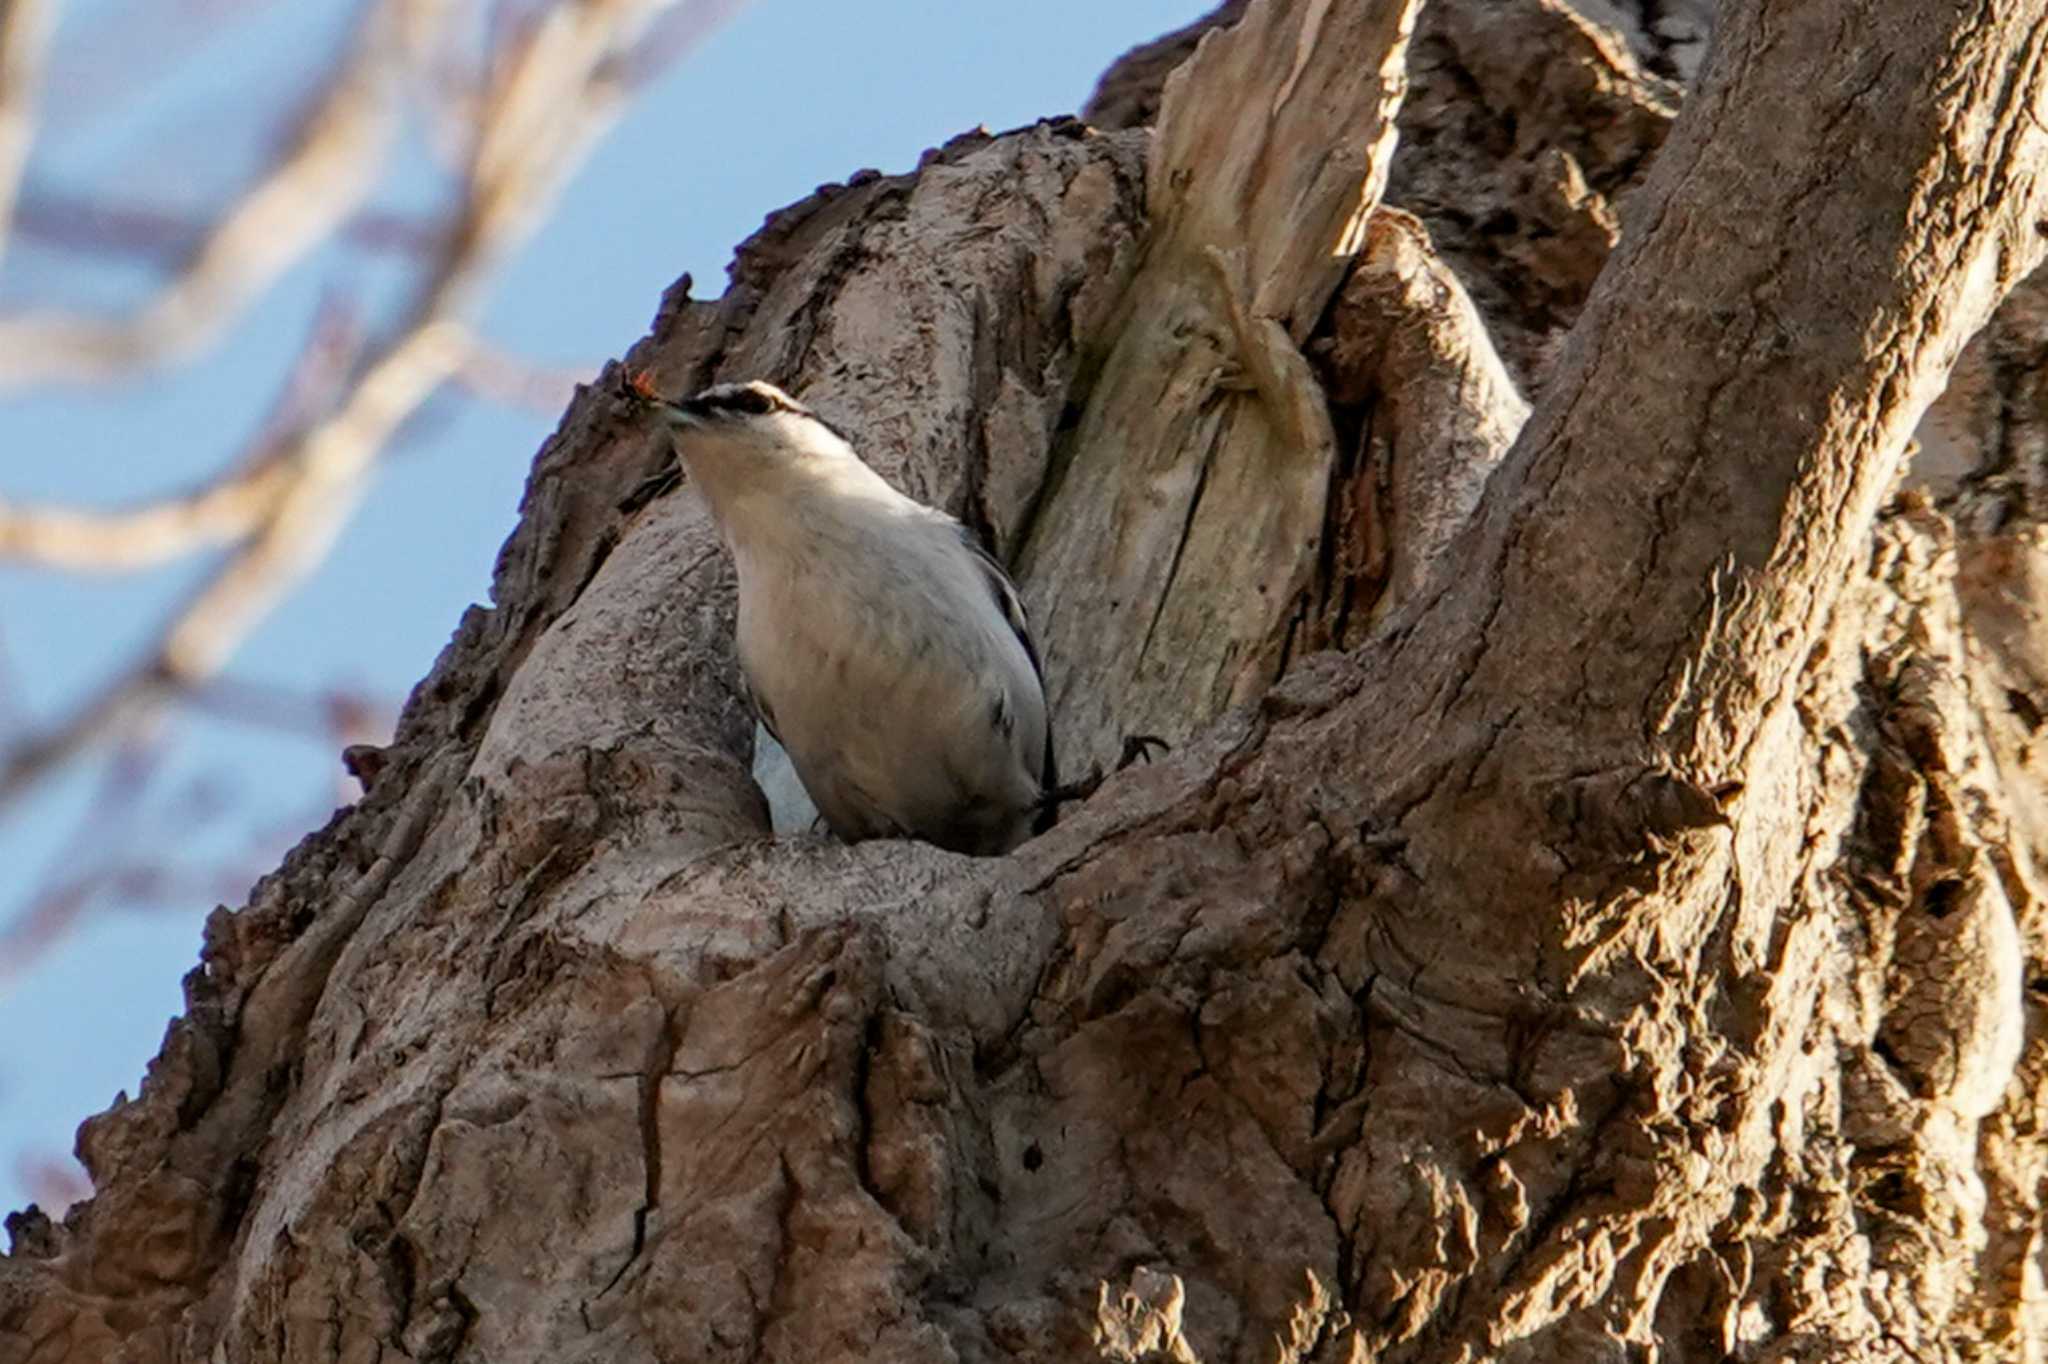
751, 400
748, 400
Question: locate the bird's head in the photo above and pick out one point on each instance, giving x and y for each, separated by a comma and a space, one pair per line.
752, 414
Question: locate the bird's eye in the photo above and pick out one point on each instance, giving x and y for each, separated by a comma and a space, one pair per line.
753, 402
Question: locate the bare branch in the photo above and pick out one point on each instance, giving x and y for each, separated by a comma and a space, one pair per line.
497, 376
82, 878
554, 96
61, 898
25, 27
54, 1182
11, 710
119, 542
129, 882
160, 236
226, 510
326, 173
166, 237
327, 476
116, 711
675, 36
337, 715
134, 48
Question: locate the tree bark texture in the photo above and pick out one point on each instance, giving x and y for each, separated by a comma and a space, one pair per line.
1592, 910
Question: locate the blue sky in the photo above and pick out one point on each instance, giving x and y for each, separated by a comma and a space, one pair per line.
788, 95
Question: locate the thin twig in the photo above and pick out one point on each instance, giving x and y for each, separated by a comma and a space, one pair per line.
674, 37
336, 716
134, 48
228, 509
166, 238
25, 27
549, 101
321, 179
499, 377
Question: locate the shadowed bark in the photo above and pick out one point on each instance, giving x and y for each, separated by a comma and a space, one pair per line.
1593, 908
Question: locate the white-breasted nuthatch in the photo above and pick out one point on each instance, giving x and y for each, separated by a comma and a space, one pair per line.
882, 647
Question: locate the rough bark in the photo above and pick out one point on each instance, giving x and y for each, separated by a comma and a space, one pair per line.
1617, 930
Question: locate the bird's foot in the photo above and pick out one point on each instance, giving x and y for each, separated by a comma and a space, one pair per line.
1136, 746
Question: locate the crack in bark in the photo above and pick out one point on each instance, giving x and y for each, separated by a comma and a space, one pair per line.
1165, 598
863, 1112
661, 1055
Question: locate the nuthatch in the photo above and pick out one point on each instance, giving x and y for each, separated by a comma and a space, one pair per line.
881, 645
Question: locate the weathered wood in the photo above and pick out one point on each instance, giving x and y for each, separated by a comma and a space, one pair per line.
1406, 350
1175, 548
1634, 943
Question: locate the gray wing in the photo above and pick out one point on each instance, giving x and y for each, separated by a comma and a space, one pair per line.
1005, 593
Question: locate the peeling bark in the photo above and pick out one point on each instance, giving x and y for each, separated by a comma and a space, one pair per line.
1617, 930
1183, 517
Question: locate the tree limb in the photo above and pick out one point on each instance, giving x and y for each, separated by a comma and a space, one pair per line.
25, 28
557, 95
323, 176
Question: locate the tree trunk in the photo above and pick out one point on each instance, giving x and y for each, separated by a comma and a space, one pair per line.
1590, 910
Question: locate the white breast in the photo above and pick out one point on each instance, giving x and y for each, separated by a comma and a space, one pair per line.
906, 701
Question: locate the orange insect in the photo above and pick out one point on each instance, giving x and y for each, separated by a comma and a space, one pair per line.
641, 382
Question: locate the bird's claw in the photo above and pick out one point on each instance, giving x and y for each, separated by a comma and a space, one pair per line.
1138, 746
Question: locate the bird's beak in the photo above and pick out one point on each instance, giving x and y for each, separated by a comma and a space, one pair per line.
640, 388
682, 415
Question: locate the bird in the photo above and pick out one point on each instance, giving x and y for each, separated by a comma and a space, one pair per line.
880, 644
